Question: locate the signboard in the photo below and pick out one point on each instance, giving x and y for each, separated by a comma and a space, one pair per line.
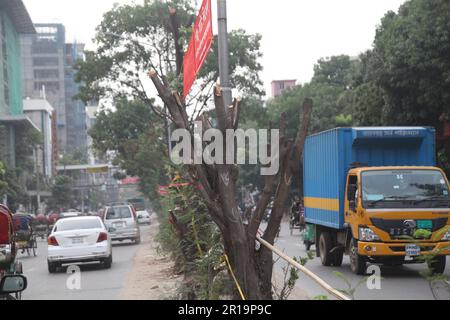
199, 45
97, 169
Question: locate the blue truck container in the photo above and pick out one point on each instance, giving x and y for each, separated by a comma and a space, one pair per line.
329, 155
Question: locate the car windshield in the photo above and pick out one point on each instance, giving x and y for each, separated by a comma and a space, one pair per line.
118, 213
78, 224
404, 189
139, 203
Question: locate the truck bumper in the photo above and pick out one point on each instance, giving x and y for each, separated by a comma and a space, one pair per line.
398, 249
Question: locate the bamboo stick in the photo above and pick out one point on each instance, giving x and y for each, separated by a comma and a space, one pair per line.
297, 265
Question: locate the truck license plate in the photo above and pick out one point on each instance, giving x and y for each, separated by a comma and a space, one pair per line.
412, 250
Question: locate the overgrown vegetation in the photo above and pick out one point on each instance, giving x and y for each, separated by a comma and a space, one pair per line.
194, 241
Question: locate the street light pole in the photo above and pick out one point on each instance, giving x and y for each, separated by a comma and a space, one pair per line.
224, 52
38, 192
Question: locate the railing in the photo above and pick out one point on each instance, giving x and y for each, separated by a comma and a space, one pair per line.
336, 293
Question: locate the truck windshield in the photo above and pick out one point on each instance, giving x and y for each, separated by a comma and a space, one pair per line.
404, 189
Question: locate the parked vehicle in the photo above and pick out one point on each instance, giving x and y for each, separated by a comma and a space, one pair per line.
375, 194
79, 240
144, 217
123, 223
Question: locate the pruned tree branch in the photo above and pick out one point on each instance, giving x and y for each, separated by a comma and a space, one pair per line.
175, 28
290, 155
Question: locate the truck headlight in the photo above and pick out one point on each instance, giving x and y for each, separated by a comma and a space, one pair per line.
366, 234
446, 236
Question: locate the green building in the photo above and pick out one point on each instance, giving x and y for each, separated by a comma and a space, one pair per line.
14, 21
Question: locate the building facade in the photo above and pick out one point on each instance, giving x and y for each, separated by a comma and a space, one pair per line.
75, 109
49, 74
14, 21
43, 72
278, 86
41, 113
91, 117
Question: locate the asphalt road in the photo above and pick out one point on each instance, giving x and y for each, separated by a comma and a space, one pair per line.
397, 283
96, 283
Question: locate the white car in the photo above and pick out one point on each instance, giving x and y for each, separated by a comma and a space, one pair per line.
144, 217
79, 240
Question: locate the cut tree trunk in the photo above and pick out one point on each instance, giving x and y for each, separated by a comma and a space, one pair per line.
252, 267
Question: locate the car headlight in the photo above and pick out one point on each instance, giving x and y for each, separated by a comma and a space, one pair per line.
366, 234
446, 236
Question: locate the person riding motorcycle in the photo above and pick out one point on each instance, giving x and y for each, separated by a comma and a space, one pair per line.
295, 211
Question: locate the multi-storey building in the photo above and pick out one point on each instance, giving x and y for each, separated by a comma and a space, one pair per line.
75, 109
14, 21
278, 86
41, 113
49, 73
43, 72
91, 117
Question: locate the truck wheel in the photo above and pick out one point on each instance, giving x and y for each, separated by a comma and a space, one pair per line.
358, 263
338, 257
437, 265
325, 245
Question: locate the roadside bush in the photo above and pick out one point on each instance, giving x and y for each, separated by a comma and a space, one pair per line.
194, 242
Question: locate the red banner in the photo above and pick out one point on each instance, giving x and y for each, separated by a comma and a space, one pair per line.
199, 45
189, 67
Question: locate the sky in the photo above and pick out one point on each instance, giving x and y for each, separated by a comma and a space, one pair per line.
295, 33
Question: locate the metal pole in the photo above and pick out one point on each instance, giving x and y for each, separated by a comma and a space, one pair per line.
82, 200
38, 194
224, 52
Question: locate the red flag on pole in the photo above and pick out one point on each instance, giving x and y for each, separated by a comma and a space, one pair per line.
199, 45
189, 67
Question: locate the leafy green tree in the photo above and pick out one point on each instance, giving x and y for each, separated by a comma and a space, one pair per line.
76, 157
134, 135
62, 192
335, 71
11, 187
134, 39
410, 66
3, 183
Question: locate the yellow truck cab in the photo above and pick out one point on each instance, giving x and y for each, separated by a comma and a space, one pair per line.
375, 194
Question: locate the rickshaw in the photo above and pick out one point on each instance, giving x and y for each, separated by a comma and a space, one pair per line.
24, 234
8, 250
52, 218
40, 226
